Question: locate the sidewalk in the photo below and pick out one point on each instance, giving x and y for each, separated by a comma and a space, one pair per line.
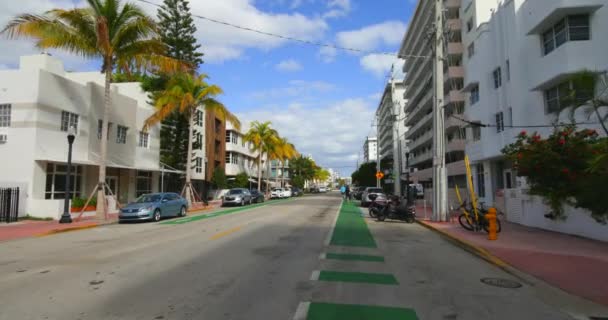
31, 228
576, 265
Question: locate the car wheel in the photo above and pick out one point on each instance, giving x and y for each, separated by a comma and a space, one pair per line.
250, 201
182, 211
242, 202
156, 216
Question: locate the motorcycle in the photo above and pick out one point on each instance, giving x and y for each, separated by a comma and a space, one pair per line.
378, 202
392, 208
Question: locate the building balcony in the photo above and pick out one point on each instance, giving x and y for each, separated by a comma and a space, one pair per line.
455, 145
452, 123
454, 96
420, 124
422, 67
455, 72
454, 24
420, 111
452, 4
426, 156
453, 169
421, 140
455, 48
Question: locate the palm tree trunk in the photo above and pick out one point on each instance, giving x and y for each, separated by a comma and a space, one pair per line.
101, 193
260, 171
188, 188
599, 117
283, 174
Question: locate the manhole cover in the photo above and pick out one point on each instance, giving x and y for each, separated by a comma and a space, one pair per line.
502, 283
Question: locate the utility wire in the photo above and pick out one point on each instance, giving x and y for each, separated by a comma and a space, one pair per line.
485, 125
284, 37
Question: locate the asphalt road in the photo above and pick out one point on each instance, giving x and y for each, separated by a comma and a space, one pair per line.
256, 264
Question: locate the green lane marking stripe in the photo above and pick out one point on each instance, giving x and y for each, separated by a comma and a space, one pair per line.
354, 257
351, 229
375, 278
221, 212
330, 311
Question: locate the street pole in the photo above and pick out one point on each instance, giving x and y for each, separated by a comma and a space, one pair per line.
66, 217
439, 169
378, 150
407, 175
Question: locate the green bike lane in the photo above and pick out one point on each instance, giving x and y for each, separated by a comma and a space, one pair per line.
349, 236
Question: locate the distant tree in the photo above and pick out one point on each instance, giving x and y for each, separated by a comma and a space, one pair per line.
263, 138
241, 180
219, 178
365, 175
298, 181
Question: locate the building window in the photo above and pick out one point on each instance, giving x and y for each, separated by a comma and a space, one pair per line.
470, 25
198, 165
228, 136
497, 78
199, 118
476, 133
143, 139
121, 134
234, 159
500, 123
199, 140
508, 70
234, 138
144, 183
5, 115
474, 97
55, 181
570, 28
471, 49
228, 156
566, 94
69, 120
481, 181
99, 126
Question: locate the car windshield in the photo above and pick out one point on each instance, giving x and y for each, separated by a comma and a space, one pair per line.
235, 191
374, 190
148, 198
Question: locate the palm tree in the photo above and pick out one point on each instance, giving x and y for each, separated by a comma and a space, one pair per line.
185, 93
122, 36
262, 137
286, 151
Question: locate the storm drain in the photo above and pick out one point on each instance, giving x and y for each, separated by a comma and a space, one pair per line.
501, 283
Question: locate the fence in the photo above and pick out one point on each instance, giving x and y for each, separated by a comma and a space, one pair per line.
9, 204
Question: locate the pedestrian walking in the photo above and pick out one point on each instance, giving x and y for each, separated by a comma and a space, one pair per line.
343, 191
347, 193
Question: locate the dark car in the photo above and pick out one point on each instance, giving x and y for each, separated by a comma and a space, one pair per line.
257, 196
296, 192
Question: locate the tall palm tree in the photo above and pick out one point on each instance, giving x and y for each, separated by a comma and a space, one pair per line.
121, 35
185, 93
262, 136
286, 151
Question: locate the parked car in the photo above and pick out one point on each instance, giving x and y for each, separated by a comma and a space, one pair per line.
280, 193
257, 196
154, 206
365, 199
296, 192
237, 196
322, 189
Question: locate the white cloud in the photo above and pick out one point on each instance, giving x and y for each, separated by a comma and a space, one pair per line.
337, 9
373, 36
296, 88
289, 65
332, 133
380, 64
327, 54
219, 42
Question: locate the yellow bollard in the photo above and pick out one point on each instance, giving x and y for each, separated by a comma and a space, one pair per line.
492, 227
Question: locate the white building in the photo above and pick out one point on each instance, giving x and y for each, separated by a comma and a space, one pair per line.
240, 158
391, 119
370, 149
39, 102
518, 55
419, 93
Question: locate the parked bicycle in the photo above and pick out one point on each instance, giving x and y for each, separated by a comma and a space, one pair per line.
475, 222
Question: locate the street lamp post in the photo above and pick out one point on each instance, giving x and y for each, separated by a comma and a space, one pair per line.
66, 217
407, 174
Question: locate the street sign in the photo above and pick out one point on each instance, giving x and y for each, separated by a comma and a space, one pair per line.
379, 175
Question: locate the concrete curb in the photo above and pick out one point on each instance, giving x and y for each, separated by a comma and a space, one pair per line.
481, 253
56, 231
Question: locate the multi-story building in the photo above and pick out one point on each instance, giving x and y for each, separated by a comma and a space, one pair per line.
370, 149
39, 103
240, 157
519, 55
279, 173
391, 131
419, 81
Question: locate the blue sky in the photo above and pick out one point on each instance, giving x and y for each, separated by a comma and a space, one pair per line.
323, 100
